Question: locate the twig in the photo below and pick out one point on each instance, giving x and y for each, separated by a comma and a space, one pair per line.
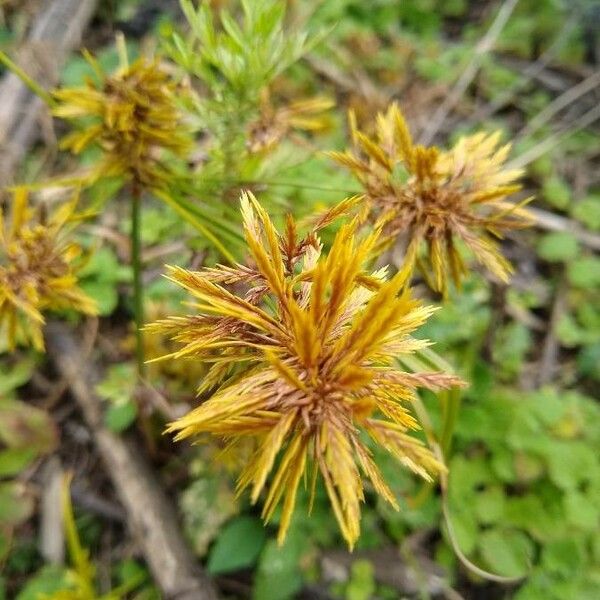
553, 140
552, 222
559, 103
52, 542
549, 357
460, 87
149, 513
136, 264
485, 112
56, 30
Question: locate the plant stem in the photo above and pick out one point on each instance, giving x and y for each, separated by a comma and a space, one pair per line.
136, 263
33, 85
452, 400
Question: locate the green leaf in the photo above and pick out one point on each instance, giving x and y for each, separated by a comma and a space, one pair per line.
206, 504
118, 417
25, 426
17, 375
558, 247
489, 505
465, 529
47, 581
5, 542
16, 503
238, 546
585, 272
588, 212
570, 463
563, 556
14, 460
556, 192
362, 581
582, 512
507, 552
278, 576
104, 293
588, 361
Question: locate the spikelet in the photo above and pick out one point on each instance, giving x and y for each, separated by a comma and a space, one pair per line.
131, 115
319, 352
38, 269
431, 199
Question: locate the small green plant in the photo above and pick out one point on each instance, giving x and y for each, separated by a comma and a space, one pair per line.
78, 581
26, 434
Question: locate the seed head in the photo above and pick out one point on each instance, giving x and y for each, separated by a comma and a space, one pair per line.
433, 199
304, 364
38, 270
131, 115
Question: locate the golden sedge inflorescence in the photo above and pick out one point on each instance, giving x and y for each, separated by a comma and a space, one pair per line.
38, 269
434, 200
318, 337
132, 115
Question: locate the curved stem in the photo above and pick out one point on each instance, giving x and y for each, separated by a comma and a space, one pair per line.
33, 85
136, 263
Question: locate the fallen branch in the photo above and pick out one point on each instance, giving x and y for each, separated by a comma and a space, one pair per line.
551, 222
150, 516
55, 32
460, 87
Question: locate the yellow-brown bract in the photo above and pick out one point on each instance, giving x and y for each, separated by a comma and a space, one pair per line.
433, 198
318, 337
38, 269
133, 116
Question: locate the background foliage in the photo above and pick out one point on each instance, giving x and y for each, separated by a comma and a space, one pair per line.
525, 471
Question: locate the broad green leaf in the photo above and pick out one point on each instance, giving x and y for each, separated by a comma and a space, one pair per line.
559, 246
507, 552
489, 505
49, 580
585, 272
104, 293
14, 460
25, 426
278, 576
465, 529
16, 503
563, 556
581, 511
362, 581
238, 546
571, 463
118, 417
15, 376
588, 211
556, 192
206, 504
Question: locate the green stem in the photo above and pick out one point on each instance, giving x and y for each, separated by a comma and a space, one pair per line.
452, 401
136, 263
33, 85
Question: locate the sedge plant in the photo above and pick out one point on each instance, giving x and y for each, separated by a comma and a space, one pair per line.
318, 336
132, 116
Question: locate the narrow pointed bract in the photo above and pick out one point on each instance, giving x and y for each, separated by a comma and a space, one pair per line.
304, 363
433, 199
38, 269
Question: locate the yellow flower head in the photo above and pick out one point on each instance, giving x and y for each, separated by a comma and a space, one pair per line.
132, 115
318, 337
274, 124
433, 198
37, 270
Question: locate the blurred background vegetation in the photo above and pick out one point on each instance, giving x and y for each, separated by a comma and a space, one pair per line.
524, 487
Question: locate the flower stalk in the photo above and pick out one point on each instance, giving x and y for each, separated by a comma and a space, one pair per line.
136, 264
